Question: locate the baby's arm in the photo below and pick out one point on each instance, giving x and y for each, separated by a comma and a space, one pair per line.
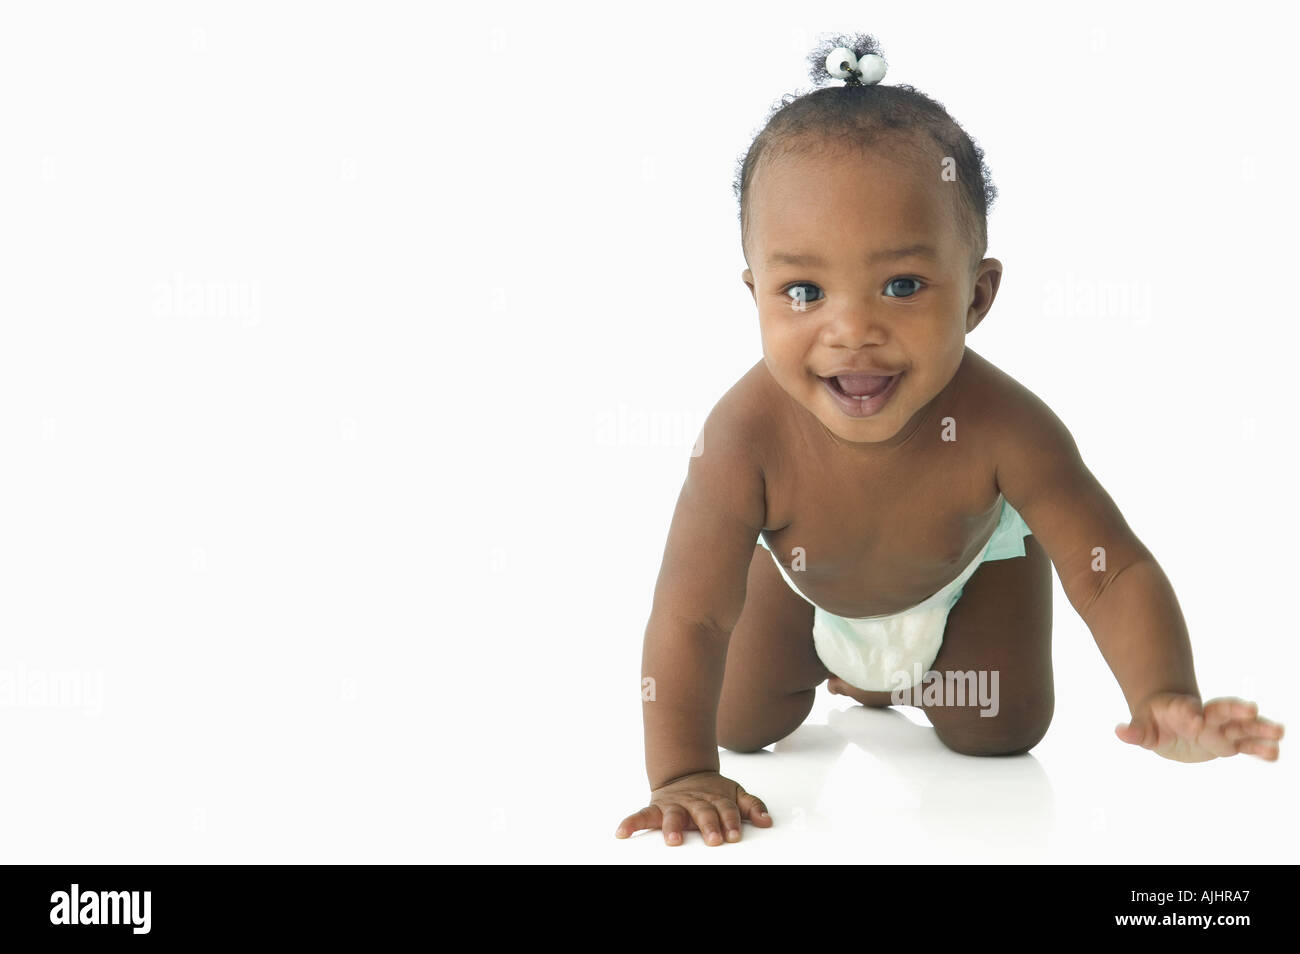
697, 601
699, 597
1120, 592
1111, 579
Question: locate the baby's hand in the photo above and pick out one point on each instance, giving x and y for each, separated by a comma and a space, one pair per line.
697, 801
1178, 727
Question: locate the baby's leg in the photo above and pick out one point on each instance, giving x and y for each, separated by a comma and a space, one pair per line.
772, 669
1002, 622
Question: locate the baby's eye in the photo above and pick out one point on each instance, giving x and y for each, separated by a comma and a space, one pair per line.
905, 294
798, 294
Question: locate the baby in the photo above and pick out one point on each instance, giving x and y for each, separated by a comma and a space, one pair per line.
875, 504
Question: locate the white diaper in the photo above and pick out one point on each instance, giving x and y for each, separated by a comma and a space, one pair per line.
881, 653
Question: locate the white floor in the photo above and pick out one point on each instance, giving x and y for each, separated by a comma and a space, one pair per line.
860, 785
450, 750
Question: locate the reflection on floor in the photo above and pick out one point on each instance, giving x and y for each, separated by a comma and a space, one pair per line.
867, 785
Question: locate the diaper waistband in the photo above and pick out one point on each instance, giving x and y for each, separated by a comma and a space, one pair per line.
1007, 540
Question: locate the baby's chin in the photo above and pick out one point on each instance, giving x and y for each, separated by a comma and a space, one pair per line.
875, 431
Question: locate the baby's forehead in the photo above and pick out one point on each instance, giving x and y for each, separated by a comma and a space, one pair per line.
841, 194
840, 206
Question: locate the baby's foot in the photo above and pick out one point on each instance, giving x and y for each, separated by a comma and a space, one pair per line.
838, 687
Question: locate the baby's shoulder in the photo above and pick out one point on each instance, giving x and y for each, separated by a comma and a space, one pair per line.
742, 419
989, 392
1008, 413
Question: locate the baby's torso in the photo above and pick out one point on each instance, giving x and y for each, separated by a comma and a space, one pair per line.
880, 533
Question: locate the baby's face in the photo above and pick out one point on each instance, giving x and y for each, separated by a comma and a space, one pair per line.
843, 281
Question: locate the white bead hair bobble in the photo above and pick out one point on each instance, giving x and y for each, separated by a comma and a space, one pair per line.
842, 63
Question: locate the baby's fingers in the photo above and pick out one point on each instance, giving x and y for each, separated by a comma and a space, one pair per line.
1252, 729
730, 816
648, 817
1269, 729
1144, 734
1220, 711
1266, 749
707, 821
675, 819
752, 807
1255, 737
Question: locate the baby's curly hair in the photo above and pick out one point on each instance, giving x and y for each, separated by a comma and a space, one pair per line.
897, 117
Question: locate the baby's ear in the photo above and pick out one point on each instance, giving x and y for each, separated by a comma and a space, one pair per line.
748, 278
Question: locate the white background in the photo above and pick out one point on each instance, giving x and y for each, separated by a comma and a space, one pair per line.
351, 356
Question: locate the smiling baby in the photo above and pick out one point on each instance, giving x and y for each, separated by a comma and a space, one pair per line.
877, 505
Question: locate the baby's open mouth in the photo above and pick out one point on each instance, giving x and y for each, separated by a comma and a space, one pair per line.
861, 386
862, 395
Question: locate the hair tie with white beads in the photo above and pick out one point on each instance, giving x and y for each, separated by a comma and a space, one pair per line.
843, 63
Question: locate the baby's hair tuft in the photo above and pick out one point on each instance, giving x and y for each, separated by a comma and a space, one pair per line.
860, 43
898, 119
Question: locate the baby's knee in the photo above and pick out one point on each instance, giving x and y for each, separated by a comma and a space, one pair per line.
742, 746
771, 720
1010, 733
1001, 743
